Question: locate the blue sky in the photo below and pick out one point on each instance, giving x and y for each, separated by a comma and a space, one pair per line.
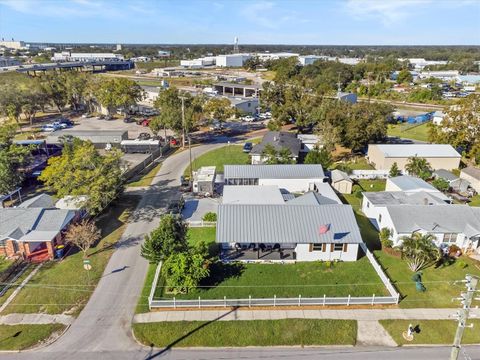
352, 22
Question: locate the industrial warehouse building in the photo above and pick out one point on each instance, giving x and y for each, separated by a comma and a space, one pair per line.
440, 156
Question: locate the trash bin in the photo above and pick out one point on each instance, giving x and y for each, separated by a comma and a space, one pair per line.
59, 251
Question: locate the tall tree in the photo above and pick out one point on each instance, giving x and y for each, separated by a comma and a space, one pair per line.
219, 109
167, 239
461, 127
404, 77
419, 250
118, 93
12, 159
394, 170
53, 85
319, 156
82, 170
83, 235
419, 167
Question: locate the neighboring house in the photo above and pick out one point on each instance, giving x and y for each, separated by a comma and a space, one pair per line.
451, 224
455, 183
294, 232
245, 105
472, 175
293, 178
279, 140
309, 141
347, 97
440, 156
413, 184
341, 182
33, 232
374, 203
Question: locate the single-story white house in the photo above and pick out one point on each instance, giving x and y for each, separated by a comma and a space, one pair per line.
281, 232
252, 194
438, 117
472, 175
293, 178
451, 224
411, 184
440, 156
456, 183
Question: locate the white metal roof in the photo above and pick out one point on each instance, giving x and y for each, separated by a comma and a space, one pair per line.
296, 171
252, 194
418, 150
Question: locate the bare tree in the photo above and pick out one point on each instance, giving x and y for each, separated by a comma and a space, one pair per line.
83, 235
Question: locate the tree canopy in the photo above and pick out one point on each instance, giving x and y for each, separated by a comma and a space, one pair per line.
82, 170
418, 167
118, 92
419, 250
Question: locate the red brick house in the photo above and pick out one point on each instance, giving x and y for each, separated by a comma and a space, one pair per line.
33, 229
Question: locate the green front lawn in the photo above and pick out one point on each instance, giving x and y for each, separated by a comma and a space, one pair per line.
431, 331
4, 264
309, 279
355, 164
226, 155
286, 332
145, 179
20, 337
406, 131
355, 198
439, 282
142, 306
65, 286
475, 201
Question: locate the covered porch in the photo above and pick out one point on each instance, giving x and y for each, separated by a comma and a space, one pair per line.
258, 252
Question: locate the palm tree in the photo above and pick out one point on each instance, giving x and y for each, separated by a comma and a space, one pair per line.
419, 250
419, 167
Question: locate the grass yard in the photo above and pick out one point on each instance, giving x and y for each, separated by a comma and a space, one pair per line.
65, 286
309, 279
20, 337
230, 155
146, 179
355, 164
419, 132
355, 198
475, 201
286, 332
439, 282
431, 331
142, 306
4, 264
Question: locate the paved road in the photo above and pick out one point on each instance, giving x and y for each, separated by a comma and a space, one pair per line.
336, 353
104, 324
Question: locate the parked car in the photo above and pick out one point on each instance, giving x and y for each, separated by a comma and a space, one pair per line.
176, 206
66, 121
143, 136
145, 122
128, 119
101, 117
248, 118
86, 115
247, 147
108, 117
60, 125
49, 128
174, 142
216, 125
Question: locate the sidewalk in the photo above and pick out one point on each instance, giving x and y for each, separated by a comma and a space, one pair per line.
343, 314
37, 319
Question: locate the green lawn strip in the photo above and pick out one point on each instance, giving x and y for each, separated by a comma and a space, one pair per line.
287, 332
65, 286
309, 279
20, 337
431, 331
356, 164
439, 282
230, 154
146, 179
142, 306
5, 264
475, 201
28, 270
419, 132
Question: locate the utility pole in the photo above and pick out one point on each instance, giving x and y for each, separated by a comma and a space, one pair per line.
183, 120
466, 300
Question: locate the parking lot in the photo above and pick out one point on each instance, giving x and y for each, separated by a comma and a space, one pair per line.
117, 124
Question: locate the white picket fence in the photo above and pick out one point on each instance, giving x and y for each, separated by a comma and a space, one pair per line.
369, 174
201, 223
274, 301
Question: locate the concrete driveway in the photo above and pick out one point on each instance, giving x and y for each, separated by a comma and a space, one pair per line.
196, 208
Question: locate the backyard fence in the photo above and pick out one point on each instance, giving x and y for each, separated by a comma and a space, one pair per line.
201, 223
146, 164
369, 174
376, 266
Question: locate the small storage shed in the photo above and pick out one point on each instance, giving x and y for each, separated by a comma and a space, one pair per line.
341, 182
204, 180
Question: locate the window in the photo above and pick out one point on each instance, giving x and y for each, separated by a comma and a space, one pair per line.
450, 238
337, 247
380, 218
317, 247
368, 204
3, 243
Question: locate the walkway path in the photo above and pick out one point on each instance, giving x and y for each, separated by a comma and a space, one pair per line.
341, 314
38, 319
372, 333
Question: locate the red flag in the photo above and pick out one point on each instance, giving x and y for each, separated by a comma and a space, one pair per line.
324, 228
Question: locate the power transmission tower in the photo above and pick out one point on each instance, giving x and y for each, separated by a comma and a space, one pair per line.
466, 301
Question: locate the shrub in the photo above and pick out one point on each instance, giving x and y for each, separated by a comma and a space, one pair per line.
384, 236
210, 216
453, 250
461, 264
